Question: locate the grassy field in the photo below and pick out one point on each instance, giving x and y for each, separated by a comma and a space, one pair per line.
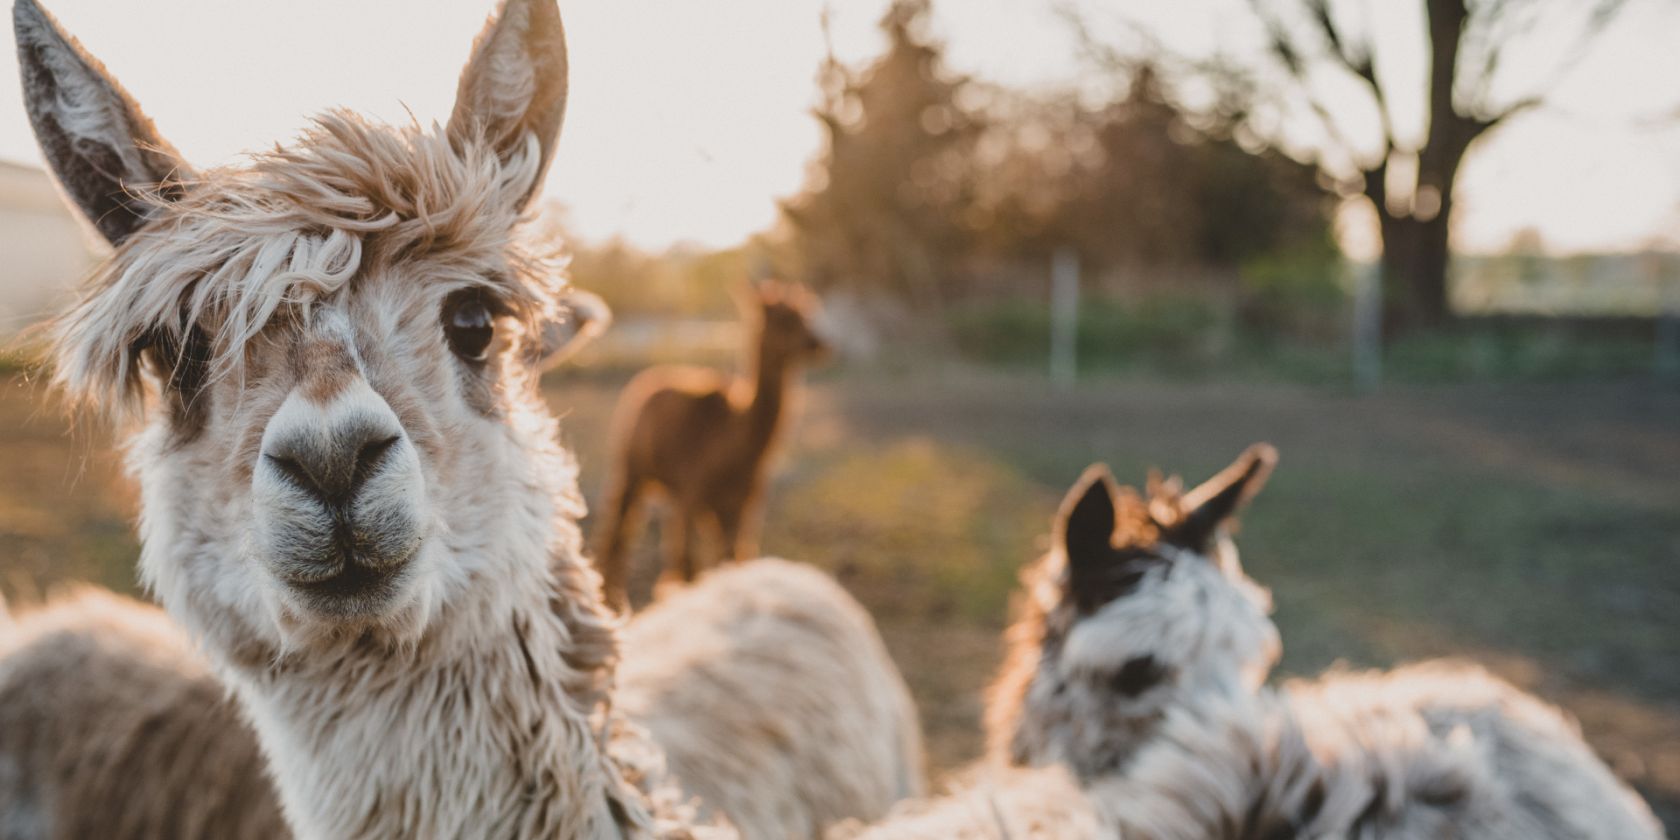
1535, 528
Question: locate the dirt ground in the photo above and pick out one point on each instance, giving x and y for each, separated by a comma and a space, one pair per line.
1534, 528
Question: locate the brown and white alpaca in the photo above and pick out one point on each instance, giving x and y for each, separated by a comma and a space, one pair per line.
1139, 663
703, 441
351, 494
1139, 606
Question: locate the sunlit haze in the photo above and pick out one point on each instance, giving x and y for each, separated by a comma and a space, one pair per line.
688, 120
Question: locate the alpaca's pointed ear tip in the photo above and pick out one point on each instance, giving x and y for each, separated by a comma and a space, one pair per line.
29, 19
1097, 481
1096, 472
1262, 454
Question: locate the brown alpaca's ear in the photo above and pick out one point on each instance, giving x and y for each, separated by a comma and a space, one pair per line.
513, 89
1205, 509
107, 156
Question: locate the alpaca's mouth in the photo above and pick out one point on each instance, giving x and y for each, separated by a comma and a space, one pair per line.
354, 591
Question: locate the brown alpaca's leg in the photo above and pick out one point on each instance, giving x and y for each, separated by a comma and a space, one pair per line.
679, 544
613, 561
739, 533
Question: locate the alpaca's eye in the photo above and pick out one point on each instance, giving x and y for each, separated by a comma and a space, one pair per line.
1137, 676
469, 324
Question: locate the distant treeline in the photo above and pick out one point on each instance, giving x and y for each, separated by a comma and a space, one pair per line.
931, 186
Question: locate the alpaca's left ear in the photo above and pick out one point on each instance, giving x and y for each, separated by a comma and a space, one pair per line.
514, 87
586, 316
1206, 508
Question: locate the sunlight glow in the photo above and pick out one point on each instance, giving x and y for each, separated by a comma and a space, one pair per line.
688, 120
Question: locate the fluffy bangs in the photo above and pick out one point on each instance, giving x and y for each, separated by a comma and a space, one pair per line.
244, 245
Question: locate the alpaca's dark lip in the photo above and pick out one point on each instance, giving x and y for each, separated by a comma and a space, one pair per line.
356, 589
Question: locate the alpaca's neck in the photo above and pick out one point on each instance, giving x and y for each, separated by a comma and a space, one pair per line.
771, 381
1224, 771
471, 733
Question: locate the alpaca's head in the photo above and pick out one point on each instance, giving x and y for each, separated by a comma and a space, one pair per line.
333, 348
788, 315
1140, 605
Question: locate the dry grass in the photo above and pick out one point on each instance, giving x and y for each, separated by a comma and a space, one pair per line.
1532, 527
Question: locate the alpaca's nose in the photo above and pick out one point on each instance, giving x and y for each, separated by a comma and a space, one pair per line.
333, 466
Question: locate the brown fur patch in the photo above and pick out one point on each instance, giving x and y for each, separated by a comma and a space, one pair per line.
323, 369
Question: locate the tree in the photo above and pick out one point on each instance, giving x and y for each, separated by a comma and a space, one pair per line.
1408, 173
883, 207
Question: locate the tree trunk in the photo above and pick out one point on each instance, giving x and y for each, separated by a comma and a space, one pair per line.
1428, 285
1414, 273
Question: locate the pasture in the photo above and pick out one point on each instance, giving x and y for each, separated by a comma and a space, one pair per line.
1532, 527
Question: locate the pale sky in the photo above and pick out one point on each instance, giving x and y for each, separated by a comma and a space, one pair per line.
688, 119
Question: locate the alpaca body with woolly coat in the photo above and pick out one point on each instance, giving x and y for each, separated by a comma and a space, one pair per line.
351, 492
1438, 750
822, 756
112, 726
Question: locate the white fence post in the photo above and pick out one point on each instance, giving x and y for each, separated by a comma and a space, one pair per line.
1367, 327
1064, 316
1666, 363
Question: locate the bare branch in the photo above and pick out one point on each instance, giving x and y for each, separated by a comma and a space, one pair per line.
1295, 63
1479, 110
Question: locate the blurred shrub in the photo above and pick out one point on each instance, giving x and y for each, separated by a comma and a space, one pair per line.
1164, 330
1295, 293
1517, 350
917, 528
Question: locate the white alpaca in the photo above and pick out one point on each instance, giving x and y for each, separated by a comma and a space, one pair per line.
1192, 747
351, 494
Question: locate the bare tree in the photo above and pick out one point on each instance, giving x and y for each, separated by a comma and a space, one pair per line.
1409, 171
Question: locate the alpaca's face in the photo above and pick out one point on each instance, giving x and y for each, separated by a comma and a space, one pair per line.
789, 315
1144, 606
335, 347
366, 464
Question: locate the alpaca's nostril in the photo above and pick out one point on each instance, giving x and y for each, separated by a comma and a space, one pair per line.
295, 472
372, 454
333, 470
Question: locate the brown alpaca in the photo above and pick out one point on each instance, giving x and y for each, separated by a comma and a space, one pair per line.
703, 439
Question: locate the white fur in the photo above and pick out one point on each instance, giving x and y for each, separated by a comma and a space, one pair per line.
1199, 618
1040, 803
1423, 752
774, 699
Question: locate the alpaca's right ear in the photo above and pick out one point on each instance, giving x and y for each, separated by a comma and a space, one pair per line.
105, 152
1085, 529
513, 89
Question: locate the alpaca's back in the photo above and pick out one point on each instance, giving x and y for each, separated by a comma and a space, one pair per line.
111, 726
1519, 765
1042, 803
774, 699
1421, 753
